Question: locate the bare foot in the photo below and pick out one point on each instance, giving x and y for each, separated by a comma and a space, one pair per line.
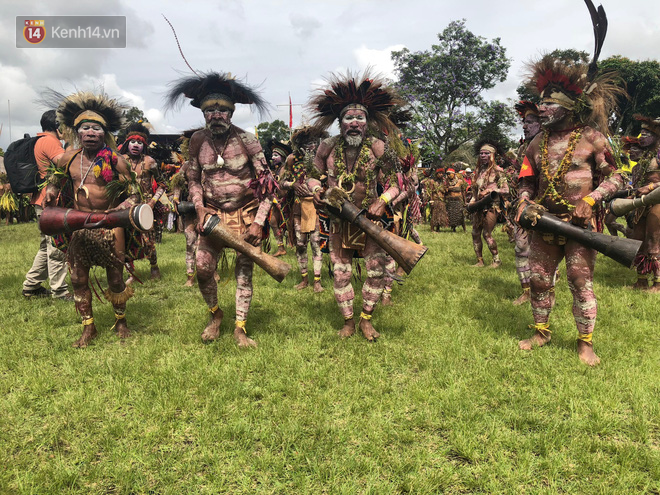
242, 339
190, 281
130, 280
281, 251
303, 285
348, 329
368, 330
480, 262
522, 299
587, 354
212, 330
495, 263
216, 276
318, 288
89, 332
386, 299
641, 284
122, 329
536, 340
655, 288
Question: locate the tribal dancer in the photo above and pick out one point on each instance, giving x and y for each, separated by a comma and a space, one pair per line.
228, 177
360, 165
89, 178
147, 174
646, 221
305, 219
489, 177
455, 188
562, 166
529, 113
279, 152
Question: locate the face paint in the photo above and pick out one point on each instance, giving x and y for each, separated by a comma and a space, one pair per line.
354, 126
647, 138
531, 126
218, 119
484, 157
91, 135
135, 147
553, 115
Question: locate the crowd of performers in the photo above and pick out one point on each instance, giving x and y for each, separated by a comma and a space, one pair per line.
565, 167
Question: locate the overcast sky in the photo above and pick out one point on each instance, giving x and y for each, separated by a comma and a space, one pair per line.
286, 46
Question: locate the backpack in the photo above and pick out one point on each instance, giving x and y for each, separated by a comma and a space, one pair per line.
21, 165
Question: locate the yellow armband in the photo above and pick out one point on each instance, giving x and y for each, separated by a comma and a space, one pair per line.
589, 200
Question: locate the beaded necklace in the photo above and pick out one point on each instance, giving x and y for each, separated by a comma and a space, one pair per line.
554, 180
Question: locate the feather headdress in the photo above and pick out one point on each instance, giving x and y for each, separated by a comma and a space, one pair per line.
365, 91
283, 149
651, 125
592, 97
207, 89
86, 106
525, 107
307, 134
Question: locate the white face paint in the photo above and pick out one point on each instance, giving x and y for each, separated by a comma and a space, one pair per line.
354, 126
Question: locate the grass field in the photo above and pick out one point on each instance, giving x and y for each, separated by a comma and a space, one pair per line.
443, 403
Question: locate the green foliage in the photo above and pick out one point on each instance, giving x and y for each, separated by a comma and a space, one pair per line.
276, 129
642, 81
444, 402
444, 87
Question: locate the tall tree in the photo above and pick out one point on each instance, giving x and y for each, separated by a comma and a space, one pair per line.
276, 129
444, 87
642, 82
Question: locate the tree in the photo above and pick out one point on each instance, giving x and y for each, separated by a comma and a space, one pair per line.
131, 116
642, 82
444, 86
268, 131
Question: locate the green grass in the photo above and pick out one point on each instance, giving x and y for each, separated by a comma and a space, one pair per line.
444, 402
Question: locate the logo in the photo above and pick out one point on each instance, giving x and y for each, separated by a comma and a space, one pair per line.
34, 31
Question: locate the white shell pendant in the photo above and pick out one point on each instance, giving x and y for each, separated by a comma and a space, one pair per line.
220, 161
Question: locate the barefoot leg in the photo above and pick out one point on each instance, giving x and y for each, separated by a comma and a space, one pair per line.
367, 328
212, 330
240, 336
540, 338
89, 333
348, 329
586, 353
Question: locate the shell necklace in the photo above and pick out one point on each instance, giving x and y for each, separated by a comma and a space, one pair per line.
220, 161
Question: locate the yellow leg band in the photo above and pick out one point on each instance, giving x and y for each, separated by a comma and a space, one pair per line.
241, 324
365, 316
542, 328
348, 318
88, 321
387, 291
317, 279
120, 316
214, 309
585, 337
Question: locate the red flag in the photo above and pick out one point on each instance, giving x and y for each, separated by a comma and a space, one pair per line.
290, 113
526, 169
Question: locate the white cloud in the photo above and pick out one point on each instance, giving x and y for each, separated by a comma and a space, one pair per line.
379, 60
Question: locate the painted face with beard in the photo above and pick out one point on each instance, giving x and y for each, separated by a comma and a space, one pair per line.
647, 138
218, 119
135, 147
354, 127
553, 116
531, 126
484, 158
